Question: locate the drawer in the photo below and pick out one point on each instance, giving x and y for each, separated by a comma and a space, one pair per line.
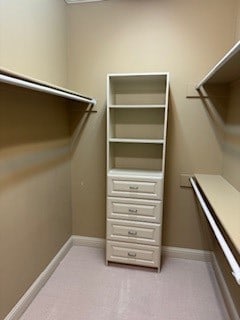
136, 232
135, 187
134, 209
136, 254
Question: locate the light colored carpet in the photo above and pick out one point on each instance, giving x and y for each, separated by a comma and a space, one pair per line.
84, 288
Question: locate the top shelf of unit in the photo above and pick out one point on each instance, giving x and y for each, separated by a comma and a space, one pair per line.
132, 106
227, 70
19, 80
125, 77
138, 90
225, 201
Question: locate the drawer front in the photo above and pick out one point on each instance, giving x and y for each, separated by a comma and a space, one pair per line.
136, 232
136, 254
134, 209
146, 188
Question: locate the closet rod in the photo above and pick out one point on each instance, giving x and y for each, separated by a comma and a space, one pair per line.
226, 250
44, 88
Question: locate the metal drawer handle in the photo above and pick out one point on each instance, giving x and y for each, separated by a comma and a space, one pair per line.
132, 210
132, 233
132, 255
133, 188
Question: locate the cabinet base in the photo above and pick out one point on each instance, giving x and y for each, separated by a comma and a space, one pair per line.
133, 254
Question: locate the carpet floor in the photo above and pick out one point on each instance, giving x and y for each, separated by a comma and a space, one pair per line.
84, 288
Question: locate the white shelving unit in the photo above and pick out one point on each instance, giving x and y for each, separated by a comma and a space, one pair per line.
137, 108
227, 70
11, 78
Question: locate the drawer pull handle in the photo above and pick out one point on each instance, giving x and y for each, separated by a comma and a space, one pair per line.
132, 233
132, 210
133, 188
132, 255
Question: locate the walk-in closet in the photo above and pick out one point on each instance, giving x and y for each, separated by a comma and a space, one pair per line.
119, 160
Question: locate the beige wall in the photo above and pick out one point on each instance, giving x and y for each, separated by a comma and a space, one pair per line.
35, 208
33, 38
183, 37
231, 154
237, 34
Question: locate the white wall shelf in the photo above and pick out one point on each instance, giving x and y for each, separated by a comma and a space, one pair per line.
224, 210
137, 106
225, 201
227, 70
9, 77
135, 172
144, 106
122, 140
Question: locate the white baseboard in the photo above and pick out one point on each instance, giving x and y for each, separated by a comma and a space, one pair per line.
88, 241
174, 252
224, 290
31, 293
185, 253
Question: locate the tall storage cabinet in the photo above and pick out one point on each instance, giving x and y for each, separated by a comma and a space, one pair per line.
137, 107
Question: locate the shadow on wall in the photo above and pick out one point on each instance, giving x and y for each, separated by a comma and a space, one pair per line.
34, 133
37, 132
79, 114
222, 105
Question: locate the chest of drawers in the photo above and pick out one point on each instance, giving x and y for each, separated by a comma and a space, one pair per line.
134, 220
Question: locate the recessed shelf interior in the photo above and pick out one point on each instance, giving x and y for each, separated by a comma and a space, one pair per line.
137, 90
135, 156
137, 123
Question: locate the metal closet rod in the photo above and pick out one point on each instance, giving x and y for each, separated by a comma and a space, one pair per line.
226, 250
45, 88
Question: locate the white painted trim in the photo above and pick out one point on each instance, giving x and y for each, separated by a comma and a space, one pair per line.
88, 241
224, 290
173, 252
185, 253
31, 293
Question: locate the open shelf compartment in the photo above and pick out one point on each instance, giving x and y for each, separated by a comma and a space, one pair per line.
149, 89
130, 156
137, 124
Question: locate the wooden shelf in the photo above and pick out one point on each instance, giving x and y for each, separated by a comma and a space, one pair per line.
227, 70
225, 201
123, 140
135, 172
9, 77
143, 106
